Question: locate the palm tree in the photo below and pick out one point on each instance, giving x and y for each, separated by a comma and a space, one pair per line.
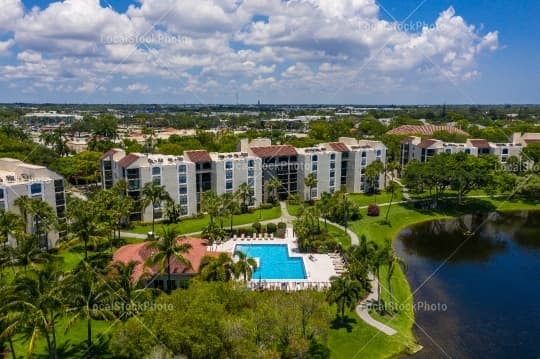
84, 225
310, 182
154, 194
10, 224
220, 269
127, 290
88, 297
56, 140
373, 170
40, 299
345, 292
24, 204
39, 218
213, 233
392, 187
168, 248
393, 260
27, 252
325, 205
245, 193
229, 207
10, 318
245, 266
211, 204
274, 184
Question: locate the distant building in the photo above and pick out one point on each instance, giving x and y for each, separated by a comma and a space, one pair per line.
425, 130
22, 179
414, 148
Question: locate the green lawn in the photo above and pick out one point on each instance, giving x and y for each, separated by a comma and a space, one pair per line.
362, 199
193, 225
293, 209
339, 235
361, 341
72, 344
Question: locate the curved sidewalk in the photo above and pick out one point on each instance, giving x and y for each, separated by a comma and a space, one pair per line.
362, 310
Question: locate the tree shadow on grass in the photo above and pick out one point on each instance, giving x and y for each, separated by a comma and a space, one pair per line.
70, 349
343, 323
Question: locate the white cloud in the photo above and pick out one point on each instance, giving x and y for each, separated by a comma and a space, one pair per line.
209, 45
138, 87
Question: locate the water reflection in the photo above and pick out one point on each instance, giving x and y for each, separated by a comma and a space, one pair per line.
490, 284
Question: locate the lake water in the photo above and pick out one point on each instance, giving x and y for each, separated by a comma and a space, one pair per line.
484, 299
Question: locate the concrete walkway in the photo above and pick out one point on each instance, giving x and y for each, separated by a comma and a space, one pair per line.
362, 309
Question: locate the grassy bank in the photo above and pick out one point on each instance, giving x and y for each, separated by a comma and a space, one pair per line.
358, 340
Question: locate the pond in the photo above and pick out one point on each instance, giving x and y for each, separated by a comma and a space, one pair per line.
476, 285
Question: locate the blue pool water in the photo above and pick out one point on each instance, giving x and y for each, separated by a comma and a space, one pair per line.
274, 261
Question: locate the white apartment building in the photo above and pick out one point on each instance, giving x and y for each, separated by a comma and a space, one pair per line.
414, 148
22, 179
176, 173
231, 170
187, 177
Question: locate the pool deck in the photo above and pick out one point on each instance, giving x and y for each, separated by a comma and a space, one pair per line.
320, 269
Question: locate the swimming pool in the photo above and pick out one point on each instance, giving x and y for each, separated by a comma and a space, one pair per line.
274, 261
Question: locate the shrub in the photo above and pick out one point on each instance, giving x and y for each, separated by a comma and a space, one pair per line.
280, 233
256, 227
266, 205
271, 228
373, 210
293, 198
282, 225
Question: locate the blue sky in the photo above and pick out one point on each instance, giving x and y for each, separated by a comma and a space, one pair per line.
308, 51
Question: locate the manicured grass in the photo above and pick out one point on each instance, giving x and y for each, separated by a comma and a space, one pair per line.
362, 199
193, 225
71, 343
362, 341
339, 235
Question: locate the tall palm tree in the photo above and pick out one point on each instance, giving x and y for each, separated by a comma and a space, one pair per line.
325, 205
24, 205
211, 204
10, 224
40, 298
310, 182
154, 194
127, 290
84, 225
27, 252
220, 269
245, 193
39, 217
344, 292
166, 249
245, 266
88, 297
273, 186
229, 207
393, 260
373, 170
392, 188
11, 319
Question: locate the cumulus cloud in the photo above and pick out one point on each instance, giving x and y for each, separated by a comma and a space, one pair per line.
209, 45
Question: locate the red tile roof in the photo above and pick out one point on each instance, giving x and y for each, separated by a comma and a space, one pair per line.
426, 143
339, 146
198, 156
139, 252
108, 154
274, 151
480, 143
425, 130
128, 160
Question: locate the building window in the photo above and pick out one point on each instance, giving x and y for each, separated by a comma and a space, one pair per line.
228, 175
505, 151
2, 199
35, 188
183, 200
332, 165
229, 185
364, 154
182, 179
228, 165
251, 163
156, 171
2, 194
181, 168
314, 158
333, 156
182, 190
314, 167
379, 153
468, 151
184, 210
251, 172
314, 193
